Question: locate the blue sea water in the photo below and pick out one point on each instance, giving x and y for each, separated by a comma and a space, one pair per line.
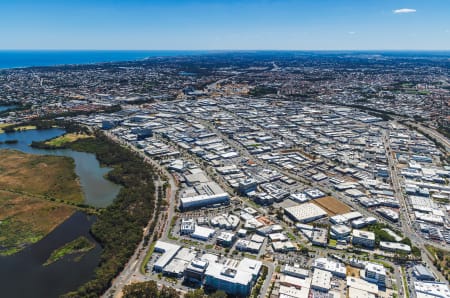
22, 58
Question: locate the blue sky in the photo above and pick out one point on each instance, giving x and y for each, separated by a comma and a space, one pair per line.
226, 24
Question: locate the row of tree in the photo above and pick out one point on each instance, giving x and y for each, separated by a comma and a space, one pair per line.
150, 289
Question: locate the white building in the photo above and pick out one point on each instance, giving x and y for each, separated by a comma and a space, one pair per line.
202, 233
168, 251
187, 203
337, 269
305, 212
374, 273
363, 238
321, 280
394, 246
187, 226
233, 277
431, 290
295, 271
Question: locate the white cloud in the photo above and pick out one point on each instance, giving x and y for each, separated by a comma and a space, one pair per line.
352, 32
404, 10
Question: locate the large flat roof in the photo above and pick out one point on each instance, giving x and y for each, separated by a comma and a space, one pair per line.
306, 212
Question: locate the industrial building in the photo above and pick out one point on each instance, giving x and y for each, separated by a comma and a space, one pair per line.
305, 213
188, 203
168, 251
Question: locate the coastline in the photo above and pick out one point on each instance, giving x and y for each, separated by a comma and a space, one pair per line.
24, 59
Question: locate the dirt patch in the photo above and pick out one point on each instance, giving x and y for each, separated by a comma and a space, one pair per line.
353, 272
332, 205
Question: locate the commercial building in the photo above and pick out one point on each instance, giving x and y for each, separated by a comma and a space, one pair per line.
202, 233
374, 273
305, 212
225, 239
337, 269
168, 251
293, 292
431, 289
283, 246
321, 280
395, 247
249, 246
195, 271
422, 273
188, 203
187, 226
363, 287
340, 232
234, 277
363, 238
295, 271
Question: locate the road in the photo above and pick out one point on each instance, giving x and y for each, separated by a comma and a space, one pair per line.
407, 224
131, 271
432, 133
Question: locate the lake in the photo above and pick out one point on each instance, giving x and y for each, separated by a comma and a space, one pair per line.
22, 274
98, 191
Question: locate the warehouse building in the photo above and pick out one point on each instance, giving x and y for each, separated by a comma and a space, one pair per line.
305, 212
188, 203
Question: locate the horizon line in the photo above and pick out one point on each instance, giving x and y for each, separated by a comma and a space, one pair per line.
237, 50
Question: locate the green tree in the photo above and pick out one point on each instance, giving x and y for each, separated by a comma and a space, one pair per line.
198, 293
141, 290
167, 292
218, 294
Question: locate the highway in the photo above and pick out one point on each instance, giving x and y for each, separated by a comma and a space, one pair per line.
432, 133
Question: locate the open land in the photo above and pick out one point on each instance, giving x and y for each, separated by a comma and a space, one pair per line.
66, 138
43, 176
28, 183
332, 206
26, 220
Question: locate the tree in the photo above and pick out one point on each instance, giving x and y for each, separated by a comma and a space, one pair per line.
144, 289
167, 292
218, 294
198, 293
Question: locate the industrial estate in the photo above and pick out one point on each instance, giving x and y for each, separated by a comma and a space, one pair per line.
277, 175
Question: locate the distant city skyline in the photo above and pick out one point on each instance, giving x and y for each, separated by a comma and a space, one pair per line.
225, 25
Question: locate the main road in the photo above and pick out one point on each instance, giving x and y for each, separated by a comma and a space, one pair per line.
132, 272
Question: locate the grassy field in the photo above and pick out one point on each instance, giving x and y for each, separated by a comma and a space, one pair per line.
67, 138
19, 128
26, 220
2, 125
81, 245
31, 187
39, 176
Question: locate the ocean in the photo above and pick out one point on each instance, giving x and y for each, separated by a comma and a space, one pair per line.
25, 58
